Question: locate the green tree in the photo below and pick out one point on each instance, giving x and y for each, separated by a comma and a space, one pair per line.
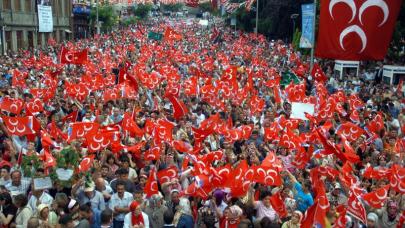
142, 10
106, 15
130, 21
172, 7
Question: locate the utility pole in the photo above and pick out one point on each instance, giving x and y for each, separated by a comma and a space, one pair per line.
97, 23
257, 16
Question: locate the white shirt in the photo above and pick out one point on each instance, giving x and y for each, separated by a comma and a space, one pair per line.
21, 189
116, 201
128, 220
45, 198
132, 173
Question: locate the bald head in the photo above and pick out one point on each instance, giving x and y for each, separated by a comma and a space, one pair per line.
100, 182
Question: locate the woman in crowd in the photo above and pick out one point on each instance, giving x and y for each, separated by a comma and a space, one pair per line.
8, 210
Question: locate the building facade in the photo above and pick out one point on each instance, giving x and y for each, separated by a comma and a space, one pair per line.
19, 24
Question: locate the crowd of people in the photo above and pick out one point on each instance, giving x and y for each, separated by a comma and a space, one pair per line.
197, 129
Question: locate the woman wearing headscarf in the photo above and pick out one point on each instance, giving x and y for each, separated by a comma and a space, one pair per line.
390, 215
231, 217
183, 217
372, 220
295, 221
155, 210
47, 218
136, 218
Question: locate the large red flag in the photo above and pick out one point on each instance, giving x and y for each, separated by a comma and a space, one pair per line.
278, 204
151, 185
71, 57
347, 29
170, 34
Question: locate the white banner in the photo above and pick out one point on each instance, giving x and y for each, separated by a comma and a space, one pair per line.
298, 110
45, 19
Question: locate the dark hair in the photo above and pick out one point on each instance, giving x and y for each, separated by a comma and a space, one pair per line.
121, 171
105, 166
6, 197
85, 207
266, 222
65, 219
138, 191
168, 216
120, 182
264, 194
6, 167
106, 216
21, 200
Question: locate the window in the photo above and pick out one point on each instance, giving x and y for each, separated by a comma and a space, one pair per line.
8, 40
30, 39
20, 40
7, 4
39, 39
28, 6
17, 5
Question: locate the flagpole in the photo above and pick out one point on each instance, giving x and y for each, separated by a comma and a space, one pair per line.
313, 35
257, 16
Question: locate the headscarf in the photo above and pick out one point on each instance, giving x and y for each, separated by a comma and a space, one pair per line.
299, 213
184, 207
135, 219
219, 197
373, 216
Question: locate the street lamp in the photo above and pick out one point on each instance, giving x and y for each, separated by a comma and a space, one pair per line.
293, 17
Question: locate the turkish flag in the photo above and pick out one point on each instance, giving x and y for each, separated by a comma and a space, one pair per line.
347, 29
49, 160
46, 140
318, 73
278, 204
151, 185
86, 163
130, 125
70, 57
179, 108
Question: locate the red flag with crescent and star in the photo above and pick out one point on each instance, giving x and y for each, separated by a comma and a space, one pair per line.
71, 57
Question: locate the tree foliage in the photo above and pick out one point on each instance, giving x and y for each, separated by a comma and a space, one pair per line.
142, 10
172, 7
106, 15
130, 21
